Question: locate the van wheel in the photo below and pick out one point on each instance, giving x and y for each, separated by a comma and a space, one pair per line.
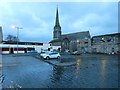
47, 57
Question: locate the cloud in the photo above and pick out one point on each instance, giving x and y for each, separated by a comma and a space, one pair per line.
35, 27
97, 22
38, 18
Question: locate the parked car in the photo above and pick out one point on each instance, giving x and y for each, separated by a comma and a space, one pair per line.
32, 51
76, 53
44, 52
50, 55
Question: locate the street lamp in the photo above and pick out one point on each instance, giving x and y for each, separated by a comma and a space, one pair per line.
18, 28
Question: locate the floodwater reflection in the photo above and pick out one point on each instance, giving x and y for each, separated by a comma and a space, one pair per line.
78, 67
103, 66
90, 71
57, 73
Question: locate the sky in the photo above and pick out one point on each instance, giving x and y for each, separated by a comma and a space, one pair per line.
38, 19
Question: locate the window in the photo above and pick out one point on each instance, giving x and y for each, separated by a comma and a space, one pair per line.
108, 40
85, 42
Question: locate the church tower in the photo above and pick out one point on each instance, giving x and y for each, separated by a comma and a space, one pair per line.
57, 27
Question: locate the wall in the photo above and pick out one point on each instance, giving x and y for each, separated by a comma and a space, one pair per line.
105, 44
84, 45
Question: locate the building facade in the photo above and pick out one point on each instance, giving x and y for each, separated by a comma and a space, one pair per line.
108, 43
82, 41
70, 42
25, 47
8, 47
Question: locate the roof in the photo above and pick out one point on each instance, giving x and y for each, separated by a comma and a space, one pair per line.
22, 43
57, 19
56, 40
73, 36
114, 34
77, 35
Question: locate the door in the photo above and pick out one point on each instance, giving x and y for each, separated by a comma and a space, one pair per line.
11, 51
25, 50
53, 55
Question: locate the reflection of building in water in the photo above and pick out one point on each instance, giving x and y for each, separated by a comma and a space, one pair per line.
103, 69
57, 72
78, 67
103, 65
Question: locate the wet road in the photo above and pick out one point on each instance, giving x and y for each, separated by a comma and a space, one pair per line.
90, 71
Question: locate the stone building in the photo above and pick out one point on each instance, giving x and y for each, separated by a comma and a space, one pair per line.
108, 43
79, 41
82, 41
70, 42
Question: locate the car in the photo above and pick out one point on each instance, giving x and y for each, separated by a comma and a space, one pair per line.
76, 53
32, 51
44, 52
50, 55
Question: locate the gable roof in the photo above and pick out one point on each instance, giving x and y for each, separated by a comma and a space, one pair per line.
56, 40
77, 35
114, 34
23, 43
73, 36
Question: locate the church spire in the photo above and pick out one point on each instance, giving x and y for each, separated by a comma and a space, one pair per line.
57, 27
57, 18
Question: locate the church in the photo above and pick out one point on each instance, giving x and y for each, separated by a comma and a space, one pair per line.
77, 41
80, 41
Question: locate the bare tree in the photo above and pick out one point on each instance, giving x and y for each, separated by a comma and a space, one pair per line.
12, 38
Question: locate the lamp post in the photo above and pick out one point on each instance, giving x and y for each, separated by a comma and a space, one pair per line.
103, 40
18, 28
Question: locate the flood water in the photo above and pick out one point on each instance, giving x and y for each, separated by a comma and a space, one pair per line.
90, 71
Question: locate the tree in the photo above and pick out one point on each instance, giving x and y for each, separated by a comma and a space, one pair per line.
12, 38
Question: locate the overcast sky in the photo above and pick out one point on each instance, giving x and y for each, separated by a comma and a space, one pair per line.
38, 18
